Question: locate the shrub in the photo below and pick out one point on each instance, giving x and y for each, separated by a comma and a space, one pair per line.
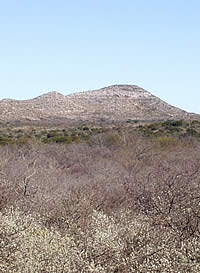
75, 138
22, 140
177, 123
147, 131
191, 132
166, 141
74, 133
85, 128
173, 129
58, 139
92, 207
112, 139
107, 244
172, 123
4, 140
84, 137
195, 122
52, 134
153, 127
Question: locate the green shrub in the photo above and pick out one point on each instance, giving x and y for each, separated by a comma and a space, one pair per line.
153, 126
147, 131
75, 138
37, 136
84, 137
74, 133
19, 131
173, 129
58, 139
177, 123
195, 122
44, 132
4, 140
20, 135
52, 134
174, 123
191, 132
112, 139
86, 128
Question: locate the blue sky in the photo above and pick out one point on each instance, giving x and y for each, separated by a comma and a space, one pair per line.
71, 46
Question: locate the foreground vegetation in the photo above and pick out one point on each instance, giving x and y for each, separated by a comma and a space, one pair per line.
115, 201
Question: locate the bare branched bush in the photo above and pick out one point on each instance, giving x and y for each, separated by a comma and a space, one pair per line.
110, 205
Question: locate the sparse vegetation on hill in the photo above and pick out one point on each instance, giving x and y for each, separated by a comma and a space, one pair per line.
169, 129
116, 103
91, 199
178, 128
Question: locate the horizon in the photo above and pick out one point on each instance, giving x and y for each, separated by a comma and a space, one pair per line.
75, 47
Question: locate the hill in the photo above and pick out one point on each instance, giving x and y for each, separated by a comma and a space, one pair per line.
116, 103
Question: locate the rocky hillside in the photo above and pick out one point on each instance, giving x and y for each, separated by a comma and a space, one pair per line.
110, 104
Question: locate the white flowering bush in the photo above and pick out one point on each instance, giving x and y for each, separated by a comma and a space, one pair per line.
26, 246
105, 246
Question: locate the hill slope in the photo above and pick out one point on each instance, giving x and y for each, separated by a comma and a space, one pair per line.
110, 104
